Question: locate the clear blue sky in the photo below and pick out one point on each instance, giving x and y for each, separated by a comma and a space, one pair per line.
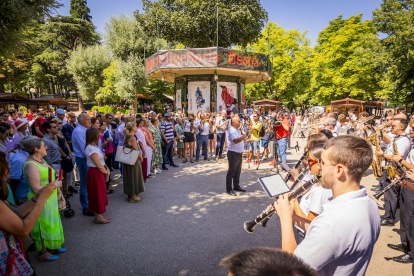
305, 15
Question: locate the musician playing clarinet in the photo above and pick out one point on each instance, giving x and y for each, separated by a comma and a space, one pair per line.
341, 239
402, 143
406, 207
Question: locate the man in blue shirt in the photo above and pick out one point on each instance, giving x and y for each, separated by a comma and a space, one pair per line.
17, 180
78, 143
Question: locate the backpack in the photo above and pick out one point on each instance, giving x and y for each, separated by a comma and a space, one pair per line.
33, 128
262, 131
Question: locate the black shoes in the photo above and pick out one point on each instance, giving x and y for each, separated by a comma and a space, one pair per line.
174, 165
232, 193
387, 222
240, 190
399, 247
405, 259
206, 159
72, 190
89, 214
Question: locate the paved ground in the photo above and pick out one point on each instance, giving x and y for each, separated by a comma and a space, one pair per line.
185, 225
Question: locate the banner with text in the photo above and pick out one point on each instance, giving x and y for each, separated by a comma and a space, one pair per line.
198, 96
206, 57
226, 94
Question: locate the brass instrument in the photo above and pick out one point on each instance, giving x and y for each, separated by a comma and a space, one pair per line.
376, 162
341, 116
393, 168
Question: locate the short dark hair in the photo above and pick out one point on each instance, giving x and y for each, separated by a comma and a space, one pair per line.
47, 125
353, 152
403, 122
266, 261
327, 132
12, 111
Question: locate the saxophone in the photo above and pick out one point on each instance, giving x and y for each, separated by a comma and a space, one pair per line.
391, 167
376, 162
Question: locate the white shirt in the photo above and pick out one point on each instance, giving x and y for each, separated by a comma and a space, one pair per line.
341, 239
410, 155
313, 200
232, 134
220, 120
89, 150
407, 130
383, 144
141, 138
204, 129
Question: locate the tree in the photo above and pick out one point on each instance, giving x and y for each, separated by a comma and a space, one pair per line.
194, 23
107, 91
87, 66
79, 9
395, 19
344, 64
16, 15
290, 54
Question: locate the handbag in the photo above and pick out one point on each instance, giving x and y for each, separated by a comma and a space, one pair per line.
126, 157
12, 259
61, 200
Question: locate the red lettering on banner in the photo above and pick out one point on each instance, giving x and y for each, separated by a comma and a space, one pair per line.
239, 60
232, 57
183, 59
176, 60
198, 58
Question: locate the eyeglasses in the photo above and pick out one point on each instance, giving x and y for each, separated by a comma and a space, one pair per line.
325, 165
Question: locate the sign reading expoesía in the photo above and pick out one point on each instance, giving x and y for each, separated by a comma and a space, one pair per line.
206, 57
226, 94
198, 96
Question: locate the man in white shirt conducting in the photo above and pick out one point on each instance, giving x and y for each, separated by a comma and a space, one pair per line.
235, 146
341, 239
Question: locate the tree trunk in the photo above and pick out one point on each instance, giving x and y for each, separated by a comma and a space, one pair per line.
80, 101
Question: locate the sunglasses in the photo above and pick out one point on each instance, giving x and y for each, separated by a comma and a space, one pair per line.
312, 162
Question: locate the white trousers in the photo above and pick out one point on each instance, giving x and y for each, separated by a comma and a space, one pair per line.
148, 154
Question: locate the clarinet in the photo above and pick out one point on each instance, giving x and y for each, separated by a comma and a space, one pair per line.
249, 226
389, 186
296, 166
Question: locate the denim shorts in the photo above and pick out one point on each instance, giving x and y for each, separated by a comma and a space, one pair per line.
255, 146
265, 144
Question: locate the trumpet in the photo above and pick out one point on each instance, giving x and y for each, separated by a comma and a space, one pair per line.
249, 226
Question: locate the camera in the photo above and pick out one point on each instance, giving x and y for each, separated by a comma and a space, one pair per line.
275, 121
191, 120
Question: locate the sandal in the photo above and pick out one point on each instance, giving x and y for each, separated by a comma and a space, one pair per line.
101, 221
57, 251
185, 160
191, 160
50, 259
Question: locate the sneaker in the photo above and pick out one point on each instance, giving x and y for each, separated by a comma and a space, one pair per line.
272, 164
255, 162
248, 161
225, 157
158, 171
270, 155
164, 168
174, 157
173, 165
213, 155
265, 157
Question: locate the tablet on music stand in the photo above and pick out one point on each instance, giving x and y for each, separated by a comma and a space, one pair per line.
274, 185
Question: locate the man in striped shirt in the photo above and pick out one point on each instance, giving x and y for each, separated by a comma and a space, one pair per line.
167, 133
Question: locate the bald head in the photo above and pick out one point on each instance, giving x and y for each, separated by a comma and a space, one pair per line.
400, 116
84, 120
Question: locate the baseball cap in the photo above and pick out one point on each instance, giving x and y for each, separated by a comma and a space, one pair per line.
60, 111
167, 115
20, 122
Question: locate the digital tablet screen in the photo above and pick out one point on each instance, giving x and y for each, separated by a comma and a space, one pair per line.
274, 185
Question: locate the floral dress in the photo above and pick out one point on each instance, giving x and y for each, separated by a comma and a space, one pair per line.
157, 154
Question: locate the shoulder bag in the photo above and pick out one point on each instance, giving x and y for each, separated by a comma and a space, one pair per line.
126, 155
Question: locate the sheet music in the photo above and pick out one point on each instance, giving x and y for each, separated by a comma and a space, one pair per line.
274, 185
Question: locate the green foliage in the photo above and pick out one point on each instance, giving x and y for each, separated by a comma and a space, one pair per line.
290, 54
87, 66
395, 19
193, 23
79, 9
16, 15
106, 109
107, 91
344, 63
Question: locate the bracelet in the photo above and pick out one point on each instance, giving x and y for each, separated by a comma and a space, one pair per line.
33, 199
400, 161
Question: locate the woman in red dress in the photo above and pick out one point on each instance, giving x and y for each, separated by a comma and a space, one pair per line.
96, 177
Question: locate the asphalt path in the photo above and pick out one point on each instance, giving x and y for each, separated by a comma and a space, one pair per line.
185, 225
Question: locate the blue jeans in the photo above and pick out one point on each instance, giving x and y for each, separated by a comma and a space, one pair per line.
281, 148
83, 192
201, 140
220, 143
167, 153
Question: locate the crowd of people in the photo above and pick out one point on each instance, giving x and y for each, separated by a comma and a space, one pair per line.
48, 149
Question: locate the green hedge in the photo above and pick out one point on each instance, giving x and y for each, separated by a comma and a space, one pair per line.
106, 109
